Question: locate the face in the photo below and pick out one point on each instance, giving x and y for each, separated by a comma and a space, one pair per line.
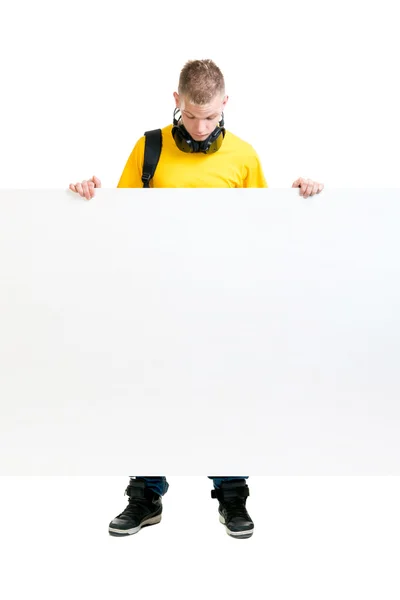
198, 120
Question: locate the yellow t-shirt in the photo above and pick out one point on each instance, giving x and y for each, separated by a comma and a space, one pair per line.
235, 164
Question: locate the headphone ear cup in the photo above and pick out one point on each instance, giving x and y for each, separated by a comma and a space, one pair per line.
214, 142
182, 139
174, 132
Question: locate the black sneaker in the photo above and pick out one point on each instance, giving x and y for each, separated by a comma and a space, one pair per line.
144, 508
232, 508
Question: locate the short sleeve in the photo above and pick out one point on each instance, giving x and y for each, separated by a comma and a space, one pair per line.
255, 177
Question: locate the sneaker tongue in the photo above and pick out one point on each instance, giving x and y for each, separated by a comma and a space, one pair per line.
236, 502
236, 508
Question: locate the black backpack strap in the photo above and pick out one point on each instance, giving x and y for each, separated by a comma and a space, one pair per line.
152, 151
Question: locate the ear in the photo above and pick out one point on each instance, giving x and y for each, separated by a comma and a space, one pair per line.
177, 99
224, 101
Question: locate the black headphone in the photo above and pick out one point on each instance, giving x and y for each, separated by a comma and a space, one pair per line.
186, 143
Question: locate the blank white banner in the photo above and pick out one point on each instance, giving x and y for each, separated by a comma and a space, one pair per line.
200, 332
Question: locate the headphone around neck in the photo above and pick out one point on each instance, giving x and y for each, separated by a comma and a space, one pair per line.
186, 143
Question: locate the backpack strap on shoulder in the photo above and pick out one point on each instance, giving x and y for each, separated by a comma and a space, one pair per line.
152, 151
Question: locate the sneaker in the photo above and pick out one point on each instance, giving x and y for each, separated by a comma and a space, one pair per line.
232, 497
144, 508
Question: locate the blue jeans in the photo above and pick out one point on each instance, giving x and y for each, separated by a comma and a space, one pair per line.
160, 485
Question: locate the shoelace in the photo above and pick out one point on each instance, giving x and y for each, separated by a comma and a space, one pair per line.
236, 508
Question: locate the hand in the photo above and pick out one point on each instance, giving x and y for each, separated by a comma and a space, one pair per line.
86, 188
308, 187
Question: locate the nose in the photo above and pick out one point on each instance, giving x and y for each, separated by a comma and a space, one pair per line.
201, 129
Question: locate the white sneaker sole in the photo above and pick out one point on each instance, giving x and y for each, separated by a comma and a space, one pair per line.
150, 521
243, 534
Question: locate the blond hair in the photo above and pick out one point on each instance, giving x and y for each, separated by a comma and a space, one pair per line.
200, 81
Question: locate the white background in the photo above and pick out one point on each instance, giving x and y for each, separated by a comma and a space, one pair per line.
313, 87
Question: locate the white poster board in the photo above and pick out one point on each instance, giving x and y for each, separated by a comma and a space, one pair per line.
200, 332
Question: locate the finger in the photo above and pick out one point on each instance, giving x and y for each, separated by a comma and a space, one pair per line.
97, 181
91, 188
298, 182
309, 188
78, 188
320, 187
312, 188
306, 188
86, 190
72, 187
303, 188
